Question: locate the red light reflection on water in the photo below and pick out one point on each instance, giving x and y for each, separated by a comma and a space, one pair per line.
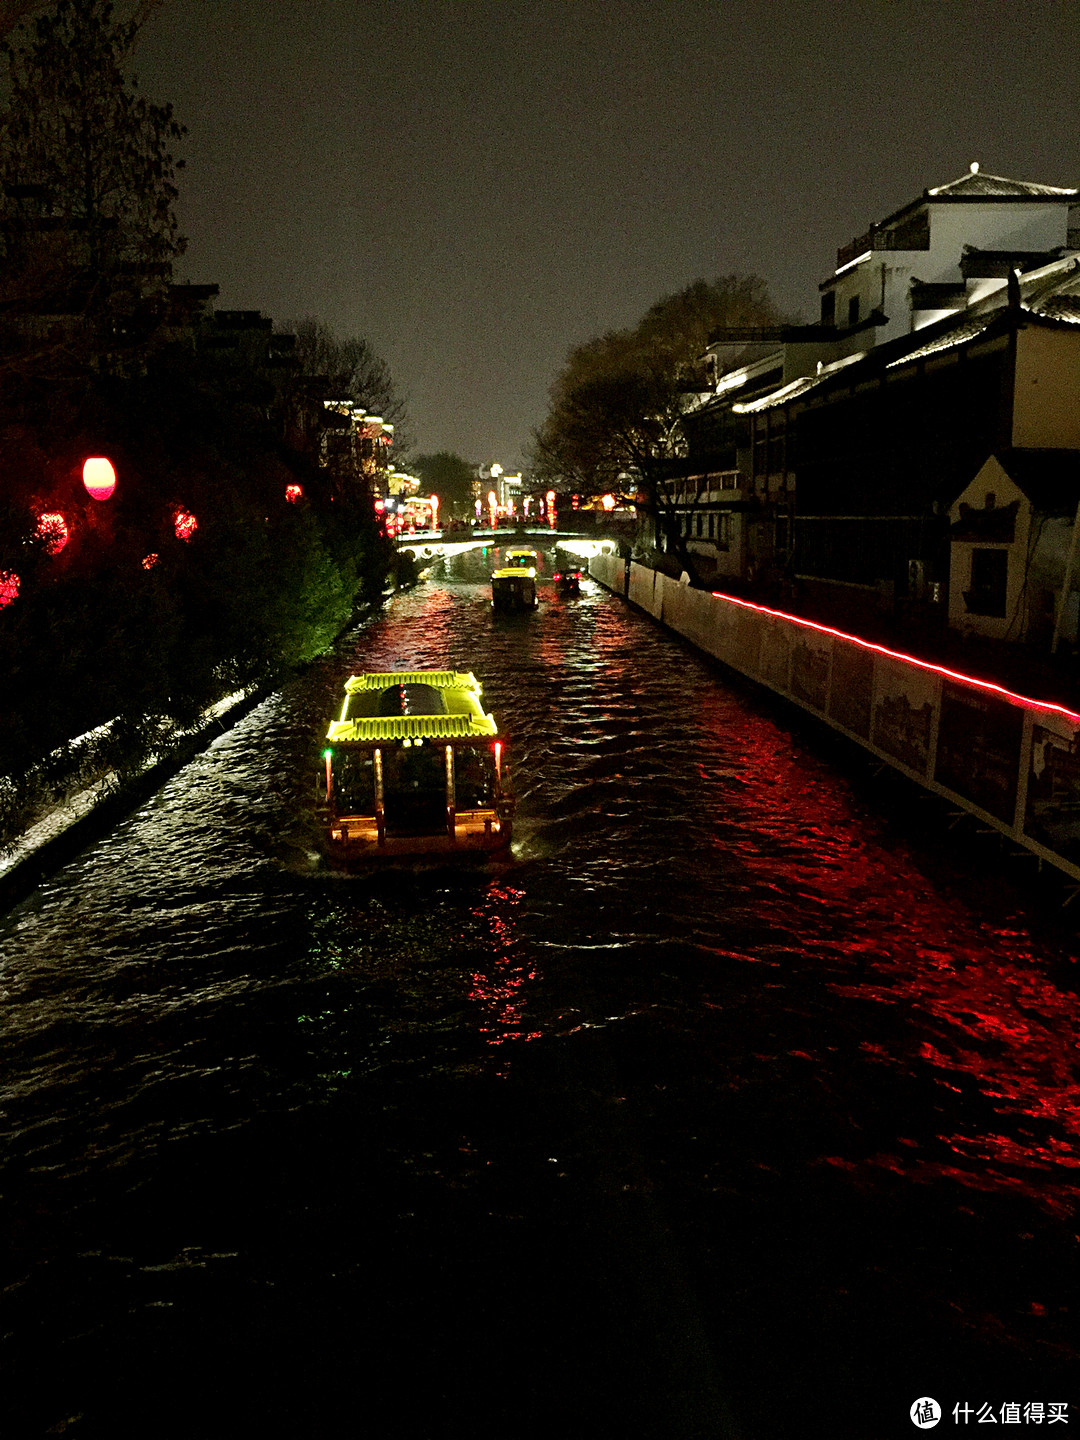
968, 1003
500, 987
1004, 1038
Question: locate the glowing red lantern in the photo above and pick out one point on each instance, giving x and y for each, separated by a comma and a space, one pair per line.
149, 561
9, 587
293, 493
185, 524
52, 529
493, 505
434, 512
550, 498
99, 477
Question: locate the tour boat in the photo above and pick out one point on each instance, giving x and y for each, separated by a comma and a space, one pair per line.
513, 585
414, 766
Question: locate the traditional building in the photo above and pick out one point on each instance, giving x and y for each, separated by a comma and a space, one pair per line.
908, 270
871, 453
949, 332
1013, 551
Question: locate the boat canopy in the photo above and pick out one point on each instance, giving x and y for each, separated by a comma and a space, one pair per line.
412, 705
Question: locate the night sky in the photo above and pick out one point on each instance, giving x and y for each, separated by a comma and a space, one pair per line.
476, 185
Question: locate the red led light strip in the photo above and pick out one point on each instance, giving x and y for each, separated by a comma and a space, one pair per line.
987, 685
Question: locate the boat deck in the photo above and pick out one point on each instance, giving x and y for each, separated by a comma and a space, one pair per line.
474, 830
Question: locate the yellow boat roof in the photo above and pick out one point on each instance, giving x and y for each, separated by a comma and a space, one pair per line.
412, 705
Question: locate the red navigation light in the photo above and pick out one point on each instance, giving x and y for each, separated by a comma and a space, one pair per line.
185, 524
99, 477
293, 493
379, 506
52, 529
9, 587
149, 561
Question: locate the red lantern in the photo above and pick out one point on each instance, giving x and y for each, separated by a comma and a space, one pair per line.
9, 587
99, 477
53, 531
293, 493
185, 524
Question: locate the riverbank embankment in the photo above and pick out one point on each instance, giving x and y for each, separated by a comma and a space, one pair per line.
1009, 759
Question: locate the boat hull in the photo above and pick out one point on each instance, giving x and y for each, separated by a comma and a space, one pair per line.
355, 841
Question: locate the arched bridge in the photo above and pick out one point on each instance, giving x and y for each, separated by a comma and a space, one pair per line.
429, 544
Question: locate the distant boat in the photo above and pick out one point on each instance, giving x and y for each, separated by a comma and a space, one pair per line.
414, 766
513, 585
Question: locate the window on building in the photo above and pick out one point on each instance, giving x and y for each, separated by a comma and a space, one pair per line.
853, 310
777, 427
989, 582
828, 308
712, 527
761, 444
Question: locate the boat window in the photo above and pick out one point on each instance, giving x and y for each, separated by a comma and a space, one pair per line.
474, 777
354, 782
414, 789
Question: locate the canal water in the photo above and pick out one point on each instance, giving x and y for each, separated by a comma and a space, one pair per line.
728, 1107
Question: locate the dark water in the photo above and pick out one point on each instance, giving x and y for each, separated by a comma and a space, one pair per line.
727, 1109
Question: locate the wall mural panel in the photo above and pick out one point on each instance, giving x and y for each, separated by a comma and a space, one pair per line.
810, 669
851, 693
978, 749
1052, 813
904, 702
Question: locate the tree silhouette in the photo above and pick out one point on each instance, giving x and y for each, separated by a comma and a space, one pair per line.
88, 229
